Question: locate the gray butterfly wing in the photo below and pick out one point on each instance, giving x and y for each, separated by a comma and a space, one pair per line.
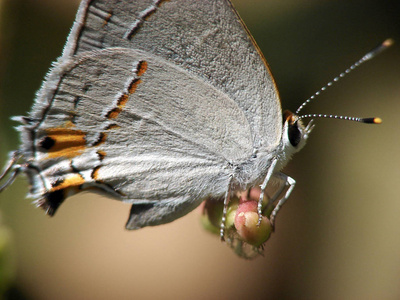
137, 126
205, 37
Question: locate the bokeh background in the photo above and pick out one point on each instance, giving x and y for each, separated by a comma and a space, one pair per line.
338, 237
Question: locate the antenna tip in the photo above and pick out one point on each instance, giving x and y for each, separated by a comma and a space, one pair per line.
372, 120
381, 47
388, 42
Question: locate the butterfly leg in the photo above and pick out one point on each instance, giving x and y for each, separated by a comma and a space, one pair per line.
263, 187
282, 185
288, 181
12, 169
224, 211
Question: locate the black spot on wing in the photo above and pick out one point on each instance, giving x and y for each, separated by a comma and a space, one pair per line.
47, 143
52, 201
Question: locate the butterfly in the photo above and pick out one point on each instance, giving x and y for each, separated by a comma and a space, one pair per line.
161, 104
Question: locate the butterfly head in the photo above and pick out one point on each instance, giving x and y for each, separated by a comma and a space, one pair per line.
295, 133
294, 136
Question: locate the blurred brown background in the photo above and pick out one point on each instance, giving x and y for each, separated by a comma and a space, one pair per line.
338, 237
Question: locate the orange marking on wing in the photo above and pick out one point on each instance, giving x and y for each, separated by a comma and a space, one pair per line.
142, 68
133, 86
148, 15
113, 126
95, 174
123, 100
73, 180
107, 19
102, 139
113, 114
101, 154
67, 142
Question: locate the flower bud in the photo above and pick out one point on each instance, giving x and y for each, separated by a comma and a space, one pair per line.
246, 224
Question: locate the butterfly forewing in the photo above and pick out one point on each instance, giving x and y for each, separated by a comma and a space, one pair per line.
204, 37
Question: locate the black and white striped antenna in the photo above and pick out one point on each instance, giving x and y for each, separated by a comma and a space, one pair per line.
371, 54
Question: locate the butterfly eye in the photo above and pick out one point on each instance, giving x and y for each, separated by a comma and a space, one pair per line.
294, 134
